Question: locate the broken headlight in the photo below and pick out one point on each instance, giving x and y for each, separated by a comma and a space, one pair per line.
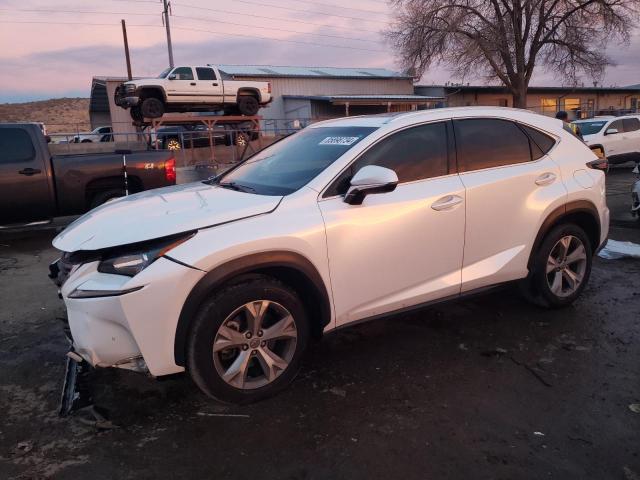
131, 261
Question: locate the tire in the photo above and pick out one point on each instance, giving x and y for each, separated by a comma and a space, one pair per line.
136, 114
226, 312
248, 105
564, 283
106, 195
152, 108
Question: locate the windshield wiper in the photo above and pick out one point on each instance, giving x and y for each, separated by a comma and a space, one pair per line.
235, 186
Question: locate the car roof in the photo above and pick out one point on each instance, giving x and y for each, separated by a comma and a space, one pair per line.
396, 120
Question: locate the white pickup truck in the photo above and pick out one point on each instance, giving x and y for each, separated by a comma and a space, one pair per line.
191, 89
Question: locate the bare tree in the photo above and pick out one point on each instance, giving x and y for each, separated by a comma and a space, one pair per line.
506, 39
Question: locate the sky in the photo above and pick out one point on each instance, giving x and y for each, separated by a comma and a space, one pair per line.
53, 48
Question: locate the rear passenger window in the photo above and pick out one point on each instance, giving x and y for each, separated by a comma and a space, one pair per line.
485, 143
415, 153
205, 73
541, 143
15, 146
631, 124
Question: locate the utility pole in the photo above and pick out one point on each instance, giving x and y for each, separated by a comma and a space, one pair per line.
126, 49
166, 24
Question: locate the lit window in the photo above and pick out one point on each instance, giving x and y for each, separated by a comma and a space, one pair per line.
549, 106
571, 104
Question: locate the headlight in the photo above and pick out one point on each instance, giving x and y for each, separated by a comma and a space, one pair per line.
132, 260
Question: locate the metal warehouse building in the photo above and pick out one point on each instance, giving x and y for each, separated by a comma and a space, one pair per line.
305, 94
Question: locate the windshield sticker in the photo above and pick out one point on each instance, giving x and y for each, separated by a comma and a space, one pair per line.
344, 141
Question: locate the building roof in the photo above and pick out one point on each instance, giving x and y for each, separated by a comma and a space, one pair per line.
275, 71
532, 88
364, 98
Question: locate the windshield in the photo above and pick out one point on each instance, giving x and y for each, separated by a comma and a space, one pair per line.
291, 163
164, 73
589, 128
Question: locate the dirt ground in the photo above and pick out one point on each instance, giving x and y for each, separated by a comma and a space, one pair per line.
484, 388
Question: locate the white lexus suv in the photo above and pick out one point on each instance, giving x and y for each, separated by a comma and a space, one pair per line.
346, 220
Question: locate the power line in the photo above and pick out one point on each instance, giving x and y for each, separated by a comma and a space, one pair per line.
300, 42
211, 20
217, 10
333, 5
299, 10
208, 20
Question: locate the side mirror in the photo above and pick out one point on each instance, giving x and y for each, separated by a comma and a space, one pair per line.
368, 180
611, 131
172, 76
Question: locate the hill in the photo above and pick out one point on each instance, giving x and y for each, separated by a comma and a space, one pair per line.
58, 114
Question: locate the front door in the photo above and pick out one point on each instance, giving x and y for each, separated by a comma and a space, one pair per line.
209, 85
25, 195
181, 86
401, 248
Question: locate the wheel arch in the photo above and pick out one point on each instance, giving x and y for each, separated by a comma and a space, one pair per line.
289, 267
580, 212
99, 185
155, 91
250, 91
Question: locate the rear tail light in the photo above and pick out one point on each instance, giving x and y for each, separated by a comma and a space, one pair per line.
599, 164
170, 170
269, 87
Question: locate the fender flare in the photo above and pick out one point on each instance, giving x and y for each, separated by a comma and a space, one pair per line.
152, 87
250, 90
576, 206
255, 263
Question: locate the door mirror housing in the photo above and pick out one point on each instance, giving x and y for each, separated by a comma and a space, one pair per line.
611, 131
172, 76
368, 180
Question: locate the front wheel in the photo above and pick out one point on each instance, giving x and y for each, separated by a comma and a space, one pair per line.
560, 268
152, 108
247, 341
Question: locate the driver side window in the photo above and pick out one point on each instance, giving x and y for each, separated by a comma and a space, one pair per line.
183, 73
415, 153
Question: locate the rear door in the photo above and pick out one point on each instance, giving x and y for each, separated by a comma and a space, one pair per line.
631, 135
510, 183
25, 193
209, 85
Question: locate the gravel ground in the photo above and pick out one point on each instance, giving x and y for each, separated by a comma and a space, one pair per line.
487, 387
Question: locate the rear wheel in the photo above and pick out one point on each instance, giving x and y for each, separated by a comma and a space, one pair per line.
247, 341
136, 114
560, 268
172, 144
248, 105
152, 108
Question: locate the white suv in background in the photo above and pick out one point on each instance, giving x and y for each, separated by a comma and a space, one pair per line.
618, 137
346, 220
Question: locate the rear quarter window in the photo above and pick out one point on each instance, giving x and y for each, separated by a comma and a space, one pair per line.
541, 143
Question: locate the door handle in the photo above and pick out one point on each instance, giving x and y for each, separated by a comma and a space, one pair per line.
546, 178
29, 171
446, 203
215, 84
193, 84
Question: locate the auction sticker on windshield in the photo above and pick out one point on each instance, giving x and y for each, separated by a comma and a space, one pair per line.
339, 141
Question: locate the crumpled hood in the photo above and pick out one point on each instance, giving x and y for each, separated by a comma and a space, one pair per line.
159, 213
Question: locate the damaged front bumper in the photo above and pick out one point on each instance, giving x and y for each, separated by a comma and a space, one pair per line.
125, 322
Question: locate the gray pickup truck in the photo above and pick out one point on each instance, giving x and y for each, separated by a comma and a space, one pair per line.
36, 186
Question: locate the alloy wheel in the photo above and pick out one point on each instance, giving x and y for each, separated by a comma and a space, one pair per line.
566, 266
173, 144
255, 344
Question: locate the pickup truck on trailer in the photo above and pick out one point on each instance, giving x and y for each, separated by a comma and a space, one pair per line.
37, 186
191, 89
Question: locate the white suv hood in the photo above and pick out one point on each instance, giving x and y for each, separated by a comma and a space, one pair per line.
158, 213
